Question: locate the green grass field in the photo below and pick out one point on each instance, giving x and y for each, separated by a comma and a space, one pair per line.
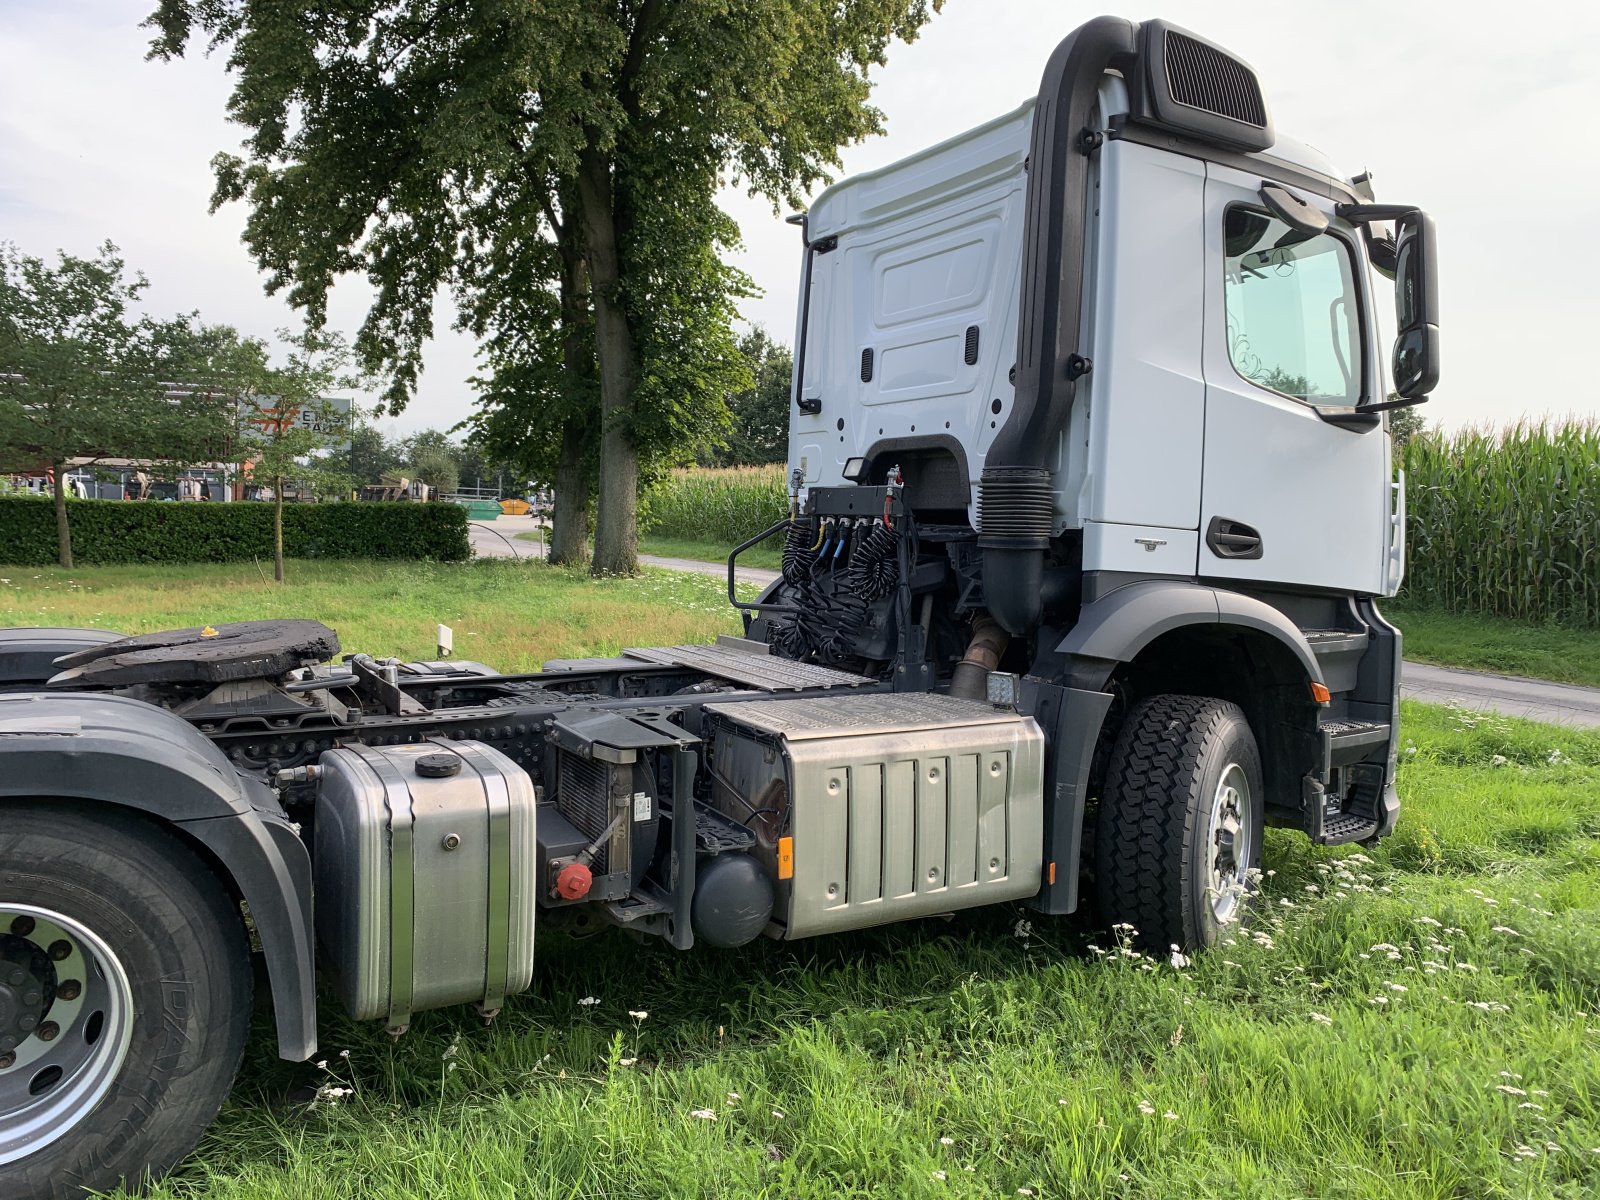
769, 557
1498, 644
1422, 1020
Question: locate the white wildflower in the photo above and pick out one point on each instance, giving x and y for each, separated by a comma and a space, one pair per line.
778, 1114
702, 1114
638, 1014
939, 1175
1147, 1108
1506, 929
1509, 1090
947, 1141
1179, 959
588, 1001
1170, 1115
1321, 1018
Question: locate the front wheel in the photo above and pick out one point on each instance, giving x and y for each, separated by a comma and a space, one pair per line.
1178, 833
125, 994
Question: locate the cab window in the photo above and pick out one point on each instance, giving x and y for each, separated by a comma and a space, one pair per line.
1293, 309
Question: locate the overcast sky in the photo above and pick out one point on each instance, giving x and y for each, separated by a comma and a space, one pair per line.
1485, 116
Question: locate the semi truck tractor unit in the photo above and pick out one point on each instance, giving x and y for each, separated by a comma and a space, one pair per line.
1091, 502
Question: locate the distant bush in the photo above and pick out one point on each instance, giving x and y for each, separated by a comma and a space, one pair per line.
724, 505
1506, 523
123, 531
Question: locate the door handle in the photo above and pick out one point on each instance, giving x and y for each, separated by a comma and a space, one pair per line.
1232, 539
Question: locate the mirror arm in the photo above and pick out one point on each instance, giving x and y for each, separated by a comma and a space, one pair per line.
1402, 402
1365, 214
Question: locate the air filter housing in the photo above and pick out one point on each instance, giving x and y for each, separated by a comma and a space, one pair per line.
1197, 88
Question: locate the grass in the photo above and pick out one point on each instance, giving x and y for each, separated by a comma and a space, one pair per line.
1422, 1020
1499, 644
768, 555
511, 614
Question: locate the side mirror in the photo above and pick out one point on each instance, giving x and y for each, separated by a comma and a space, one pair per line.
1416, 306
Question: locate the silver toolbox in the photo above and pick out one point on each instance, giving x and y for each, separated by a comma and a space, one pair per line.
897, 805
424, 876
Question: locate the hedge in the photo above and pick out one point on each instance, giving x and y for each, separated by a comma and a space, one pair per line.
123, 531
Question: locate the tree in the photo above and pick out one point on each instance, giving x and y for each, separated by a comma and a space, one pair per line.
1405, 423
759, 432
79, 377
434, 459
372, 455
407, 139
289, 424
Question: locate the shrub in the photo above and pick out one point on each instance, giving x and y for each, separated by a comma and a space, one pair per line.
119, 531
1506, 523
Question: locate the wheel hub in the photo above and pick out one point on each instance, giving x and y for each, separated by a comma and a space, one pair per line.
1230, 842
66, 1020
27, 987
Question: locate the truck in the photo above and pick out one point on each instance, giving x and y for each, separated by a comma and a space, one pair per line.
1092, 503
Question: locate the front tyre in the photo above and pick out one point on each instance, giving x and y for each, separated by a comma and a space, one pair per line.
125, 995
1178, 832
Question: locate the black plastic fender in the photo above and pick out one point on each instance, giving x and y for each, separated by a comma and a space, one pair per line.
1115, 627
28, 655
114, 750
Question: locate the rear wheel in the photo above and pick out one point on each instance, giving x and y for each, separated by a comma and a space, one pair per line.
124, 999
1178, 831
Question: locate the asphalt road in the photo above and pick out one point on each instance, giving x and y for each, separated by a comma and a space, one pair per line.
1509, 695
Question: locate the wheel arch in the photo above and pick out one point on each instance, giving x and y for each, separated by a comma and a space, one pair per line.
80, 748
1182, 637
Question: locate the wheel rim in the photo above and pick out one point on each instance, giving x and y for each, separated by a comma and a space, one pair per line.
66, 1020
1229, 843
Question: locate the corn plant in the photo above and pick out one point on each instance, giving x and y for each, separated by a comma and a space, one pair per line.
723, 506
1507, 522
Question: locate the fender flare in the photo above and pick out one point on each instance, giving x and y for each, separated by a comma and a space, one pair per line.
113, 750
27, 655
1116, 627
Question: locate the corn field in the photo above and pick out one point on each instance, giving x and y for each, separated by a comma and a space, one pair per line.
723, 506
1506, 523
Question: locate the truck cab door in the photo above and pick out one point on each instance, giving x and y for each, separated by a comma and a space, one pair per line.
1295, 488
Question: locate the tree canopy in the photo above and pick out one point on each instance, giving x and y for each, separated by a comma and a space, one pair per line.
82, 377
422, 143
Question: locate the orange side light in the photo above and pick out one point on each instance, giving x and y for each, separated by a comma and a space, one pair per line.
786, 858
1320, 693
1052, 874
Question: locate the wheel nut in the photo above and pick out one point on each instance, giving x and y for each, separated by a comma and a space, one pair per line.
17, 977
70, 990
32, 996
7, 1044
7, 1060
26, 1022
22, 926
60, 950
48, 1031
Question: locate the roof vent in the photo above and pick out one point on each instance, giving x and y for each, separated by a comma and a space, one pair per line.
1197, 88
1203, 77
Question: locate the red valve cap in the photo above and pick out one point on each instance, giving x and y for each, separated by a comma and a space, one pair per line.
574, 881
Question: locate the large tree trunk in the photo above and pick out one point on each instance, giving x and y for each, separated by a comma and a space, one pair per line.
616, 542
277, 528
569, 533
63, 530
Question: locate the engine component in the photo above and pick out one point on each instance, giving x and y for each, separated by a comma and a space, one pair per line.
425, 876
733, 898
893, 806
970, 678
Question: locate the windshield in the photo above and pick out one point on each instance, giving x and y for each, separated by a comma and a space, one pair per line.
1293, 310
